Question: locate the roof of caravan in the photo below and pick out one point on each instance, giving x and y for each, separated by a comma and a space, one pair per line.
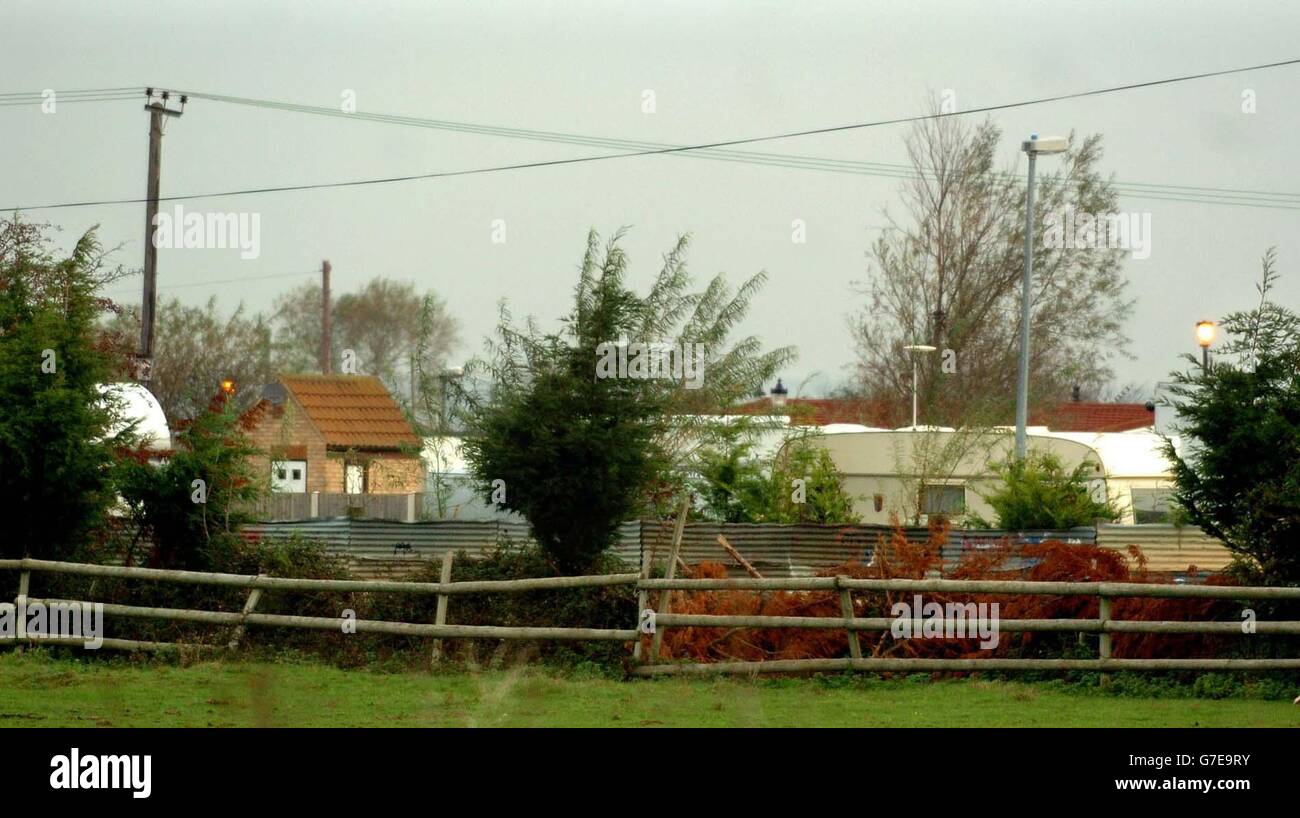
1124, 454
139, 405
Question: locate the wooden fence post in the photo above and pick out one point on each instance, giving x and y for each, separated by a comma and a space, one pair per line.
441, 617
670, 572
642, 597
1103, 614
24, 586
1103, 641
254, 594
846, 609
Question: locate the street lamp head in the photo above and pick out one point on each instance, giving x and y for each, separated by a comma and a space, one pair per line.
1205, 333
454, 371
1044, 145
920, 348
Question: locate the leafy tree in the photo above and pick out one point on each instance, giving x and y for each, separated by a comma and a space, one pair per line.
196, 348
1238, 477
798, 485
191, 506
1038, 492
296, 329
386, 323
948, 274
822, 498
731, 484
578, 453
56, 443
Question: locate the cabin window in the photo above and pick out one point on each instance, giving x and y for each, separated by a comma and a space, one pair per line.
354, 478
289, 476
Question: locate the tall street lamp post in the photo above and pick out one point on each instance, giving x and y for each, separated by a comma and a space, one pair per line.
1033, 147
915, 348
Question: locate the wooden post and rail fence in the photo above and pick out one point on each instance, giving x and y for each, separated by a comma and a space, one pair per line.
843, 586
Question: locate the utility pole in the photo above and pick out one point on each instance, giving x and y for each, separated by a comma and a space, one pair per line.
326, 319
157, 109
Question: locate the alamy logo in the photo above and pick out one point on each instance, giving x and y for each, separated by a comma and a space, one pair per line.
91, 772
645, 361
952, 620
1072, 229
209, 231
53, 620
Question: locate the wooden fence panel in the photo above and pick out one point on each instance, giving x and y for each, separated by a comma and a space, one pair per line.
843, 587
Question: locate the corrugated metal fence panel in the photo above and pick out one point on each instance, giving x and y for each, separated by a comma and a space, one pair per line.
965, 542
384, 548
777, 550
1167, 547
388, 548
628, 546
804, 549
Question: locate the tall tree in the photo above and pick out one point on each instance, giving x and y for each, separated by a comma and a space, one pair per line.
386, 325
1237, 476
56, 441
296, 329
196, 348
578, 447
948, 274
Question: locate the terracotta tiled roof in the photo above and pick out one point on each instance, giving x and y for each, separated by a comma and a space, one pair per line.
351, 411
823, 411
1076, 416
1089, 416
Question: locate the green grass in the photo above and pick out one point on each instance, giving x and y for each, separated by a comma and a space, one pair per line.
37, 689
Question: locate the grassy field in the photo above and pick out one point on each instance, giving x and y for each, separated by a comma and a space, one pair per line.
37, 690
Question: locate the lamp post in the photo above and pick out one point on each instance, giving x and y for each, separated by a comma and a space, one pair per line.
915, 348
1033, 147
1205, 332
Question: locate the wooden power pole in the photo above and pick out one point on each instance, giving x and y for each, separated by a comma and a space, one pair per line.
326, 319
157, 108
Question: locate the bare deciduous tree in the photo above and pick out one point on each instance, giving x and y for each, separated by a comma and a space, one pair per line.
196, 348
948, 274
385, 323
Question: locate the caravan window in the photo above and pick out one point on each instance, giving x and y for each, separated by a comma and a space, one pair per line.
942, 500
1151, 505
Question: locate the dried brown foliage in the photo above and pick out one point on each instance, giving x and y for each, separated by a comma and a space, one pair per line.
896, 558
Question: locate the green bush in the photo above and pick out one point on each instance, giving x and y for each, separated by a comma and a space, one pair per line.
608, 607
1038, 492
294, 557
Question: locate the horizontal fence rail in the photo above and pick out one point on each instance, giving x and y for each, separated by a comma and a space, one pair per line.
1104, 625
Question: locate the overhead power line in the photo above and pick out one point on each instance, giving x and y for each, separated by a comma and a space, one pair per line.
189, 284
15, 98
1281, 202
1166, 192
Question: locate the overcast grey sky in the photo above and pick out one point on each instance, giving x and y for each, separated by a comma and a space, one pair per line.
718, 70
